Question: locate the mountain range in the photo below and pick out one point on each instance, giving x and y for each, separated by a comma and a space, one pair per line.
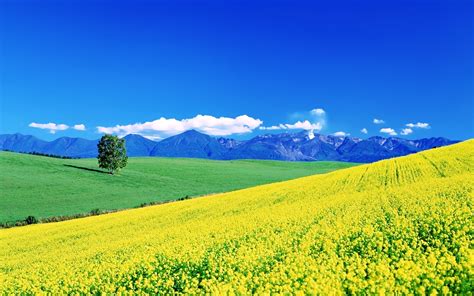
301, 146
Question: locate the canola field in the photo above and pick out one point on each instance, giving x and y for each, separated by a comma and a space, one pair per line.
401, 226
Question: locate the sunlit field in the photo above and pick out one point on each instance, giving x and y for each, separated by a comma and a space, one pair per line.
402, 225
46, 187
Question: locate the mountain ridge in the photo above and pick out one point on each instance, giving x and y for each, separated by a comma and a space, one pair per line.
300, 146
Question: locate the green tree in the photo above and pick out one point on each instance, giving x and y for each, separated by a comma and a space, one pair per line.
112, 153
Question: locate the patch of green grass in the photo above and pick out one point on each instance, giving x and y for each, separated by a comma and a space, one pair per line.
43, 187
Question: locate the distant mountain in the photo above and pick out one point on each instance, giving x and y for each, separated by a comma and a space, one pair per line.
72, 147
229, 143
302, 146
377, 148
65, 146
322, 147
21, 143
189, 144
138, 146
428, 143
272, 146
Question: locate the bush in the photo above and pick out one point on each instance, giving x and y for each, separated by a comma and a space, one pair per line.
184, 198
31, 220
95, 212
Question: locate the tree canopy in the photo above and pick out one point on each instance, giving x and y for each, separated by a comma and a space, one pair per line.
112, 154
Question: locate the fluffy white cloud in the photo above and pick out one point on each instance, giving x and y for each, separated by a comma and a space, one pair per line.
305, 125
378, 121
313, 125
340, 134
79, 127
318, 112
364, 131
419, 125
273, 127
215, 126
52, 127
406, 131
389, 131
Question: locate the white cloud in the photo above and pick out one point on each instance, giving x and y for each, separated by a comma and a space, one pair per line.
273, 127
305, 125
317, 124
423, 125
389, 131
340, 134
318, 112
406, 131
364, 131
79, 127
52, 127
215, 126
378, 121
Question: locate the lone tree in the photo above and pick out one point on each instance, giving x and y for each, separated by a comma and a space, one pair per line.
112, 153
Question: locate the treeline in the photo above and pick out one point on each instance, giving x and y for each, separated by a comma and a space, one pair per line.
42, 154
33, 220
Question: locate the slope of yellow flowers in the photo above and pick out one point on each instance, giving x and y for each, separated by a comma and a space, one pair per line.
403, 225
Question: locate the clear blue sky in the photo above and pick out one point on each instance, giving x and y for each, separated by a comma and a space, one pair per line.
113, 63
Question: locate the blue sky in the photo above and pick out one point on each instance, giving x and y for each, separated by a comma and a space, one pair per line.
261, 65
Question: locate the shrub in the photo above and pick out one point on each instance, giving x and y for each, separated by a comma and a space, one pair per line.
31, 220
95, 212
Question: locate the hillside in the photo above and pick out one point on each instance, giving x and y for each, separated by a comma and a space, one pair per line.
44, 187
402, 225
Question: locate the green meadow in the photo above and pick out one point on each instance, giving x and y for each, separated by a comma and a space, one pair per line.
45, 187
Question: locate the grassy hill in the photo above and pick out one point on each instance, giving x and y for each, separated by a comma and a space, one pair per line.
44, 187
397, 226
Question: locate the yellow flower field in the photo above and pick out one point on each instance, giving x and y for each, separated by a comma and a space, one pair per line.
403, 226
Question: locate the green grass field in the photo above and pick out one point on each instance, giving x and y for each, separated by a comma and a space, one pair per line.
45, 187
